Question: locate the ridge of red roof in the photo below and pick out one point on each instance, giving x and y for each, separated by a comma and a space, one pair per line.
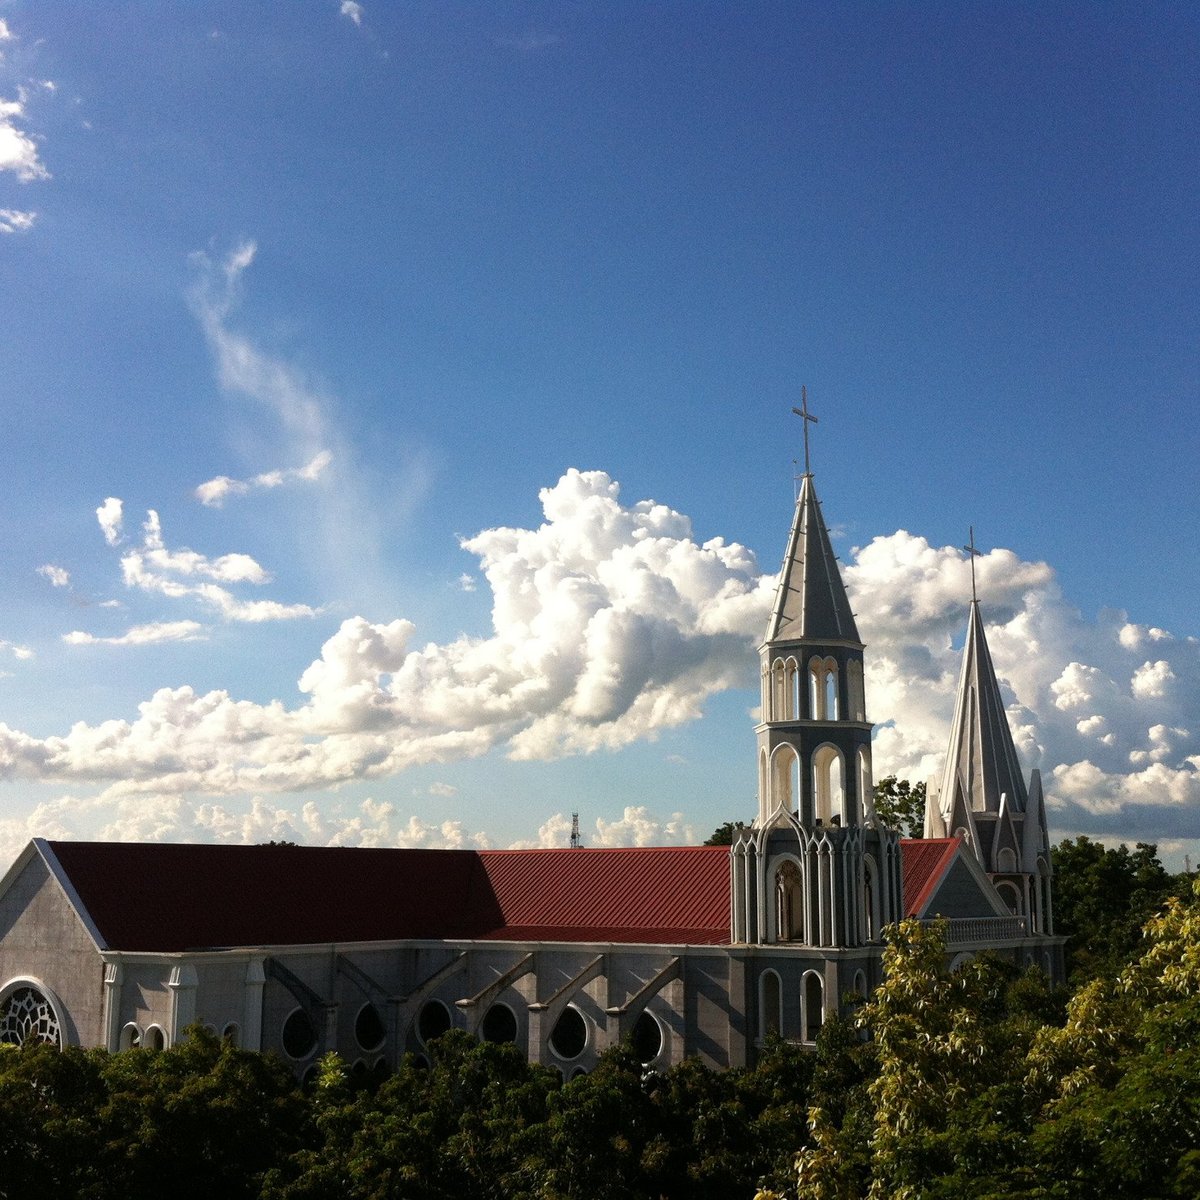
171, 897
923, 862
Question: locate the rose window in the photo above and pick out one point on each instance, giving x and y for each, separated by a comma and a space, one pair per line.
28, 1017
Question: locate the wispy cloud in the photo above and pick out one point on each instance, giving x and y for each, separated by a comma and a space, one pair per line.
342, 527
216, 491
15, 220
141, 635
352, 10
16, 650
58, 576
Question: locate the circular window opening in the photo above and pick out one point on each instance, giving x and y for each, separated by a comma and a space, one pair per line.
499, 1024
433, 1021
27, 1016
647, 1039
368, 1028
299, 1036
570, 1034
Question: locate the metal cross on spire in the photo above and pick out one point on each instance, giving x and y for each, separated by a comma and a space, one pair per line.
974, 553
802, 411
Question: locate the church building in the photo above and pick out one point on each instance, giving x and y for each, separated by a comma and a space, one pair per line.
690, 951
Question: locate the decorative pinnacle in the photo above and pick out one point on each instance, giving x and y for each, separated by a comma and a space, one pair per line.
974, 554
802, 411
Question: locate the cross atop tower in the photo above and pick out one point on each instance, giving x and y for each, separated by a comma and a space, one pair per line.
802, 411
974, 554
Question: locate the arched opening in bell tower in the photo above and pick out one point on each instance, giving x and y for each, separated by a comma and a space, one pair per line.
829, 785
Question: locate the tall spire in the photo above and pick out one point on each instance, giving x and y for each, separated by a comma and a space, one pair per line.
810, 600
981, 762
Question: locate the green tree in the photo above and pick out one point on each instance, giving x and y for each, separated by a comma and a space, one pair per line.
901, 805
722, 835
1102, 899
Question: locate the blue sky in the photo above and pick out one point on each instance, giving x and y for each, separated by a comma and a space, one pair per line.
407, 266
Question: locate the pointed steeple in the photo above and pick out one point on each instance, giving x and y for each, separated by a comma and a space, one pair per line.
981, 762
810, 601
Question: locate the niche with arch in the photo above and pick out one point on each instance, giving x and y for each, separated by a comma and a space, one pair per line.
789, 903
785, 779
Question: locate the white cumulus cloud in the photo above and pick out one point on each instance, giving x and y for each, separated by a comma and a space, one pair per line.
18, 151
110, 516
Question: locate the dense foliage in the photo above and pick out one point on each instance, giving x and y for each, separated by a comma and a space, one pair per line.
984, 1082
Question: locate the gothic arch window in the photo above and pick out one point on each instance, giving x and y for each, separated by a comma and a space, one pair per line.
870, 899
785, 778
778, 691
131, 1037
1006, 861
832, 706
829, 785
231, 1034
854, 681
866, 787
155, 1039
812, 993
792, 712
789, 903
770, 1004
763, 798
816, 689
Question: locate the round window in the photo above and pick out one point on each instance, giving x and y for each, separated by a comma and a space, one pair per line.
499, 1024
368, 1028
433, 1021
647, 1039
299, 1036
570, 1034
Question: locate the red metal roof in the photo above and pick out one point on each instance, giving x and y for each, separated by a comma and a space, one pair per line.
650, 894
166, 898
923, 862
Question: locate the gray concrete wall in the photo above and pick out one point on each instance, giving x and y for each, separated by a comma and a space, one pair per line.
42, 938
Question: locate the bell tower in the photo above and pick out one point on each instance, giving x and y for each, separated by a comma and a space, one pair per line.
815, 868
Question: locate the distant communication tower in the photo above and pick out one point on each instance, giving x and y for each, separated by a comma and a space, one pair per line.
576, 840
